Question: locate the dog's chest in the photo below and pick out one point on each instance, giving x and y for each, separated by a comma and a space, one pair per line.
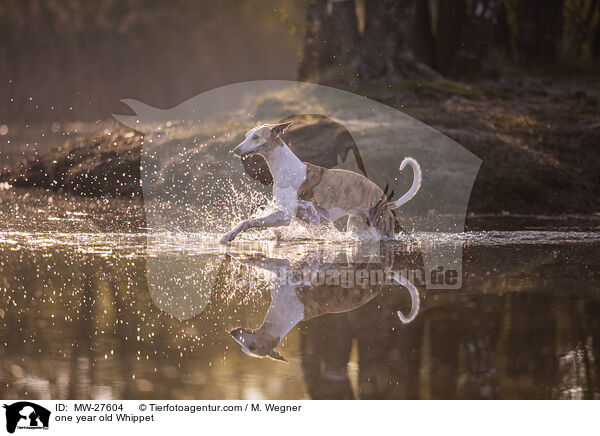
286, 187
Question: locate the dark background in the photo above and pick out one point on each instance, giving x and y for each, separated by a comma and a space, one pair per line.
73, 59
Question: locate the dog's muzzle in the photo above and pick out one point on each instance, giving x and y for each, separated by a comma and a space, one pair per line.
239, 153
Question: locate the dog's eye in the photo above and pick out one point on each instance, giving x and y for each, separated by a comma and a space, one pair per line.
254, 137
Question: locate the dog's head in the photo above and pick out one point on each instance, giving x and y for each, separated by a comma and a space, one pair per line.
257, 344
261, 139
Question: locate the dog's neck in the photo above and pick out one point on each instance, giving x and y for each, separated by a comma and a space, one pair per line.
285, 166
285, 312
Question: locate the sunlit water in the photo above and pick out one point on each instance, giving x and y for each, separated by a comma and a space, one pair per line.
77, 319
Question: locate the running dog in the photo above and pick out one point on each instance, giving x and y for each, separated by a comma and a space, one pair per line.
315, 194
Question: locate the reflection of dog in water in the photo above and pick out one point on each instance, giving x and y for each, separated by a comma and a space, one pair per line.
300, 299
26, 414
315, 194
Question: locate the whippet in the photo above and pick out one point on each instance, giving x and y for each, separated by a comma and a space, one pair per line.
316, 194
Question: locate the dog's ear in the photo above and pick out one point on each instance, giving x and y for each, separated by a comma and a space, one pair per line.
278, 129
276, 356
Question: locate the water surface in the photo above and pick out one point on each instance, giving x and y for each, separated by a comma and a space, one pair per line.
77, 319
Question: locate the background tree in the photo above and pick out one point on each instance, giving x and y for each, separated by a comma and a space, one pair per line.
382, 51
539, 29
407, 39
450, 23
316, 52
422, 41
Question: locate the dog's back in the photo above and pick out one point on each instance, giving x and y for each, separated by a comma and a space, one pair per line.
342, 192
339, 189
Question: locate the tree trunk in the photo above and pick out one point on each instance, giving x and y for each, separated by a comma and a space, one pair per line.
502, 30
450, 22
386, 51
468, 36
539, 29
383, 53
596, 36
316, 52
422, 42
370, 59
345, 29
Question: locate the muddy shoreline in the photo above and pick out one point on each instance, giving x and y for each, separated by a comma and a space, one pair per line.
538, 139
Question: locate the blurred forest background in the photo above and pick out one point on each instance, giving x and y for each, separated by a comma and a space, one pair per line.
74, 59
396, 39
515, 81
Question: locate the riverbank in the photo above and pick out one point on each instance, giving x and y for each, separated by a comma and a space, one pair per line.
537, 137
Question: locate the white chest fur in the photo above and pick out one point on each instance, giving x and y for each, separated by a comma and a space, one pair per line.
288, 174
285, 312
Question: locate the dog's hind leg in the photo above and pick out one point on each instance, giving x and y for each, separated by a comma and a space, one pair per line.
381, 219
276, 219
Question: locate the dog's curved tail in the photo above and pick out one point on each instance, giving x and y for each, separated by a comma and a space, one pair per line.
415, 302
416, 184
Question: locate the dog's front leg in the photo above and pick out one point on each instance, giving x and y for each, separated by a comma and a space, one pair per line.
276, 219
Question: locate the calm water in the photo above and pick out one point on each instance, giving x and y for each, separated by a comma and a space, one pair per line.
78, 318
